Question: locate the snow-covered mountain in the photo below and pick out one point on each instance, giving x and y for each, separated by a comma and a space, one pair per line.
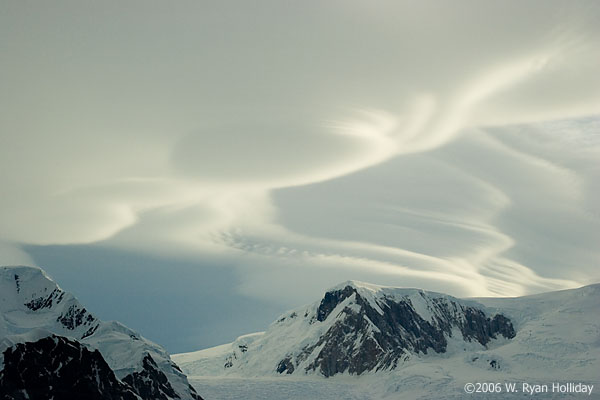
35, 313
356, 328
420, 343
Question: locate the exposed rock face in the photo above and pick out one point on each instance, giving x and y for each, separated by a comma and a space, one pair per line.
358, 327
30, 301
59, 368
377, 334
286, 366
152, 384
355, 328
366, 327
55, 296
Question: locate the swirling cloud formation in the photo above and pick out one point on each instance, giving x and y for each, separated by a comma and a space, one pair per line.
402, 142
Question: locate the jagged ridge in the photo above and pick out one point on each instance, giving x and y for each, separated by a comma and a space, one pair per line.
357, 328
376, 336
30, 299
59, 368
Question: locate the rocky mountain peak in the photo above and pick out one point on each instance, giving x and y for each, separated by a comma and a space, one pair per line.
60, 368
375, 329
32, 303
358, 327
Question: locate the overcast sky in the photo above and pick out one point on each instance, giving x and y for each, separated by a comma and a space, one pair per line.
220, 160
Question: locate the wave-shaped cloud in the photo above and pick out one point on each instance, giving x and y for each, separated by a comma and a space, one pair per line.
173, 136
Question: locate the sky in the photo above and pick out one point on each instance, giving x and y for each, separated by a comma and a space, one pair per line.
193, 169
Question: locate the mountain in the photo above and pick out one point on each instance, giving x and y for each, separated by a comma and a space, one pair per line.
420, 343
357, 328
38, 317
46, 368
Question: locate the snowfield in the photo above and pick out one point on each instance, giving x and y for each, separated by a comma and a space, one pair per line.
557, 340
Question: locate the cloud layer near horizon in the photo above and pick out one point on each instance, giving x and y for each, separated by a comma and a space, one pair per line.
409, 136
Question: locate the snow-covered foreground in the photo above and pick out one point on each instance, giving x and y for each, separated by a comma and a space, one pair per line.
557, 341
359, 388
429, 380
279, 388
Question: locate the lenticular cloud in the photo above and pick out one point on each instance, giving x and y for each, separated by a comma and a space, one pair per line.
402, 140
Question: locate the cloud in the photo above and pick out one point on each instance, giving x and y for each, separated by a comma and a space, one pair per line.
13, 255
479, 209
172, 129
280, 153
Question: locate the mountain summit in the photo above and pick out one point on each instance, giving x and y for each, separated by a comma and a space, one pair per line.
418, 343
49, 341
358, 327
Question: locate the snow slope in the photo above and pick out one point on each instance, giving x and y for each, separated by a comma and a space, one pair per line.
556, 339
33, 306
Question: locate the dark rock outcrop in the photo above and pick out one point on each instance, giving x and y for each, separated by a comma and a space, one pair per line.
75, 317
364, 338
286, 366
59, 368
34, 301
331, 300
38, 303
152, 384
